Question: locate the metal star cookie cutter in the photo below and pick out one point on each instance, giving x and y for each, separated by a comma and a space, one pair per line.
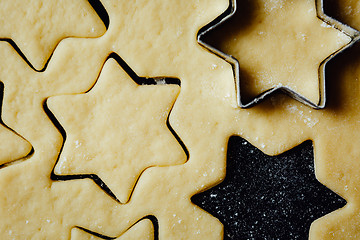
230, 11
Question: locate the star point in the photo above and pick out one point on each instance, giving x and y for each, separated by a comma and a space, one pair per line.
117, 130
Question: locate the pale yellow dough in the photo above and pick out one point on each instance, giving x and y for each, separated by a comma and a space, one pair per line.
37, 26
278, 43
158, 38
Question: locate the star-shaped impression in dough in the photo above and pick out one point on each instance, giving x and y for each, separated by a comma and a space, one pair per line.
37, 26
265, 197
278, 45
116, 130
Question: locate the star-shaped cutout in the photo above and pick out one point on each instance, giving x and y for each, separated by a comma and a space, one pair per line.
144, 230
13, 147
264, 197
117, 130
37, 26
278, 45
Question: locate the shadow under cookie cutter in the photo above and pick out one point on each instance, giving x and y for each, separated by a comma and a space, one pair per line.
230, 11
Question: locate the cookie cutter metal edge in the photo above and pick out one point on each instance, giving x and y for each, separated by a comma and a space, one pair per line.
230, 11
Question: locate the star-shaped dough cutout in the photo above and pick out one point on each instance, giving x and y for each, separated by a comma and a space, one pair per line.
144, 230
37, 26
117, 130
279, 45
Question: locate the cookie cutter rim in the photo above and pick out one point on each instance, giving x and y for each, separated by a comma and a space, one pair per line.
352, 33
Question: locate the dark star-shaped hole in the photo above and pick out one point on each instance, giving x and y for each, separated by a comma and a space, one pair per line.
268, 197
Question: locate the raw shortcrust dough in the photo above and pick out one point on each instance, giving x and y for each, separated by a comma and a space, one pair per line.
117, 130
160, 40
158, 43
278, 43
37, 26
143, 230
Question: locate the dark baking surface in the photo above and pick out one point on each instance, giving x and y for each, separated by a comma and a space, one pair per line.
268, 197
